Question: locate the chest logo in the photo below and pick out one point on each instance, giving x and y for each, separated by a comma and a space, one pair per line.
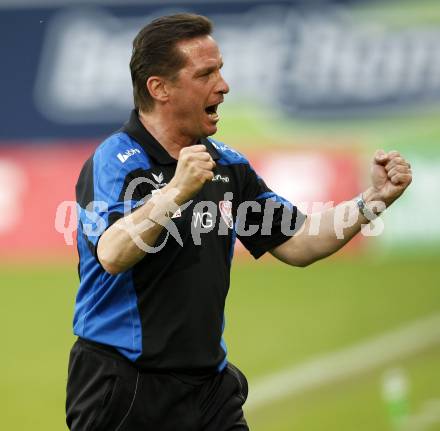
226, 212
203, 219
218, 178
158, 178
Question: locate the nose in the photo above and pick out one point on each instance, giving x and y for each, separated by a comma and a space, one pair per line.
223, 86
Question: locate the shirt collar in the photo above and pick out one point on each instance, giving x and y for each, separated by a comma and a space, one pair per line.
136, 130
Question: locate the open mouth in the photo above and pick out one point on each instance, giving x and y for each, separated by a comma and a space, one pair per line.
212, 111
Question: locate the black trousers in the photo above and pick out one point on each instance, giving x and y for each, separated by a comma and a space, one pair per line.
107, 393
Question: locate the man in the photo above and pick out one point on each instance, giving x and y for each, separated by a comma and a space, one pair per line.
160, 206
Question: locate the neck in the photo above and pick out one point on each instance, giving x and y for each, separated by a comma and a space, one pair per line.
163, 131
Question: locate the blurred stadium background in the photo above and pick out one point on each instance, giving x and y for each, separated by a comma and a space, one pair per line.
348, 344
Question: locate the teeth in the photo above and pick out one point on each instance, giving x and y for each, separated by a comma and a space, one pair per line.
213, 115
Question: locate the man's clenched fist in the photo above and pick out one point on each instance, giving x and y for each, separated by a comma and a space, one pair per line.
194, 167
390, 176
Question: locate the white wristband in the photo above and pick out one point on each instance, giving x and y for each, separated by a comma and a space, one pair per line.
363, 208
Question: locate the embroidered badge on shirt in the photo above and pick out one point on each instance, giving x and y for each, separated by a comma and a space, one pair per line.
226, 212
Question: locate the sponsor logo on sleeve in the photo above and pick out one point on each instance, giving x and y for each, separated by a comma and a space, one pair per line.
124, 156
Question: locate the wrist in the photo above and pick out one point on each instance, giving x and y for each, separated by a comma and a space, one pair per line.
369, 203
374, 195
176, 191
370, 195
163, 204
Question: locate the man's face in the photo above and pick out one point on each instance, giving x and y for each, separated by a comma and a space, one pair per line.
198, 89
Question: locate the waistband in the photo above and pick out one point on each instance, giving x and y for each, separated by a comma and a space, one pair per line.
193, 376
102, 348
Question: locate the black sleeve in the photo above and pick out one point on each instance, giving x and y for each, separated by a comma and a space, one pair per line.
264, 219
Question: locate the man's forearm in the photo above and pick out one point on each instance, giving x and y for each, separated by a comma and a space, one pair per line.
324, 233
335, 229
127, 241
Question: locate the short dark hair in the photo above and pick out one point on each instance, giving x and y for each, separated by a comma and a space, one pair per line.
155, 53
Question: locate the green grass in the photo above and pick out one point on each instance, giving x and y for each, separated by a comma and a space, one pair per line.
304, 312
292, 315
37, 307
354, 404
276, 316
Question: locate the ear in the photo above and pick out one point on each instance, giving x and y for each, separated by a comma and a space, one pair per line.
157, 88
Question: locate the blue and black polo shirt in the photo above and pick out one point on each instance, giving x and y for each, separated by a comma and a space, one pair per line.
167, 311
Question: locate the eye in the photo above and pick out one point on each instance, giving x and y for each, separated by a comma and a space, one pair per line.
207, 72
